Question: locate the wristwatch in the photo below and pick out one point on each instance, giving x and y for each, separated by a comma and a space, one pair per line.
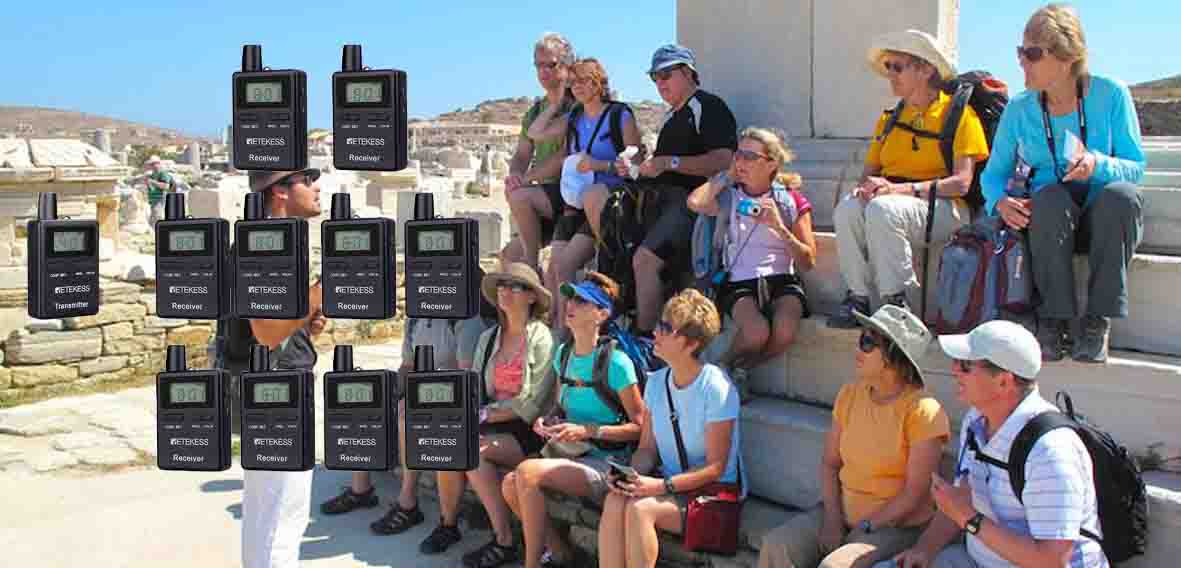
865, 526
674, 162
668, 486
973, 525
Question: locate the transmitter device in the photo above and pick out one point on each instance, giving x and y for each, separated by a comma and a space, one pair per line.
359, 268
278, 416
193, 274
442, 264
270, 116
192, 416
442, 421
63, 264
368, 115
358, 430
272, 265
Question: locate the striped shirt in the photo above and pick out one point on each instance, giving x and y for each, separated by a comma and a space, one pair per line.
1059, 495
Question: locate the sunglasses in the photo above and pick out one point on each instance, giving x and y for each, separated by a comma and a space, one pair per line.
664, 74
308, 178
548, 65
512, 285
1031, 54
578, 301
665, 328
866, 343
895, 67
750, 156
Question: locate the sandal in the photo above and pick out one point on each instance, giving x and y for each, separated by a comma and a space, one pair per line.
490, 555
396, 521
440, 539
348, 501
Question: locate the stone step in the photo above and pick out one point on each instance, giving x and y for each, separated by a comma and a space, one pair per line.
1151, 325
1162, 154
1162, 178
789, 477
1134, 396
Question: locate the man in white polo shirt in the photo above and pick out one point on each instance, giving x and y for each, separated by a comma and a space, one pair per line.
995, 367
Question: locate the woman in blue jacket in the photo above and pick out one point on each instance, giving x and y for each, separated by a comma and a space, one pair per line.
1077, 138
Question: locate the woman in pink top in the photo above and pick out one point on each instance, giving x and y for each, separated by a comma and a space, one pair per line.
512, 360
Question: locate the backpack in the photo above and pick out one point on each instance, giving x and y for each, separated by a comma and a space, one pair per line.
987, 95
711, 236
616, 339
983, 270
622, 228
614, 110
1119, 488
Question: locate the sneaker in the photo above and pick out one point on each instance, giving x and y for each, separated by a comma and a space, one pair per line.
899, 300
440, 539
740, 377
397, 520
1091, 346
1052, 337
844, 319
348, 501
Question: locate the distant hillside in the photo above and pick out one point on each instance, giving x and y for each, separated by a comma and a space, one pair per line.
36, 122
510, 111
1168, 88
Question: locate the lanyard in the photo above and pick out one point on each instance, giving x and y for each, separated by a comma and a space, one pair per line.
1082, 123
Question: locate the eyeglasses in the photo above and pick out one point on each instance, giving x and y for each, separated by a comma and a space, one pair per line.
512, 285
750, 156
1031, 54
663, 74
866, 343
895, 67
547, 65
583, 80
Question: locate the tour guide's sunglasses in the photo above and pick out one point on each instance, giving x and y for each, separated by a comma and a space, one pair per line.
750, 156
866, 343
1032, 54
512, 285
309, 177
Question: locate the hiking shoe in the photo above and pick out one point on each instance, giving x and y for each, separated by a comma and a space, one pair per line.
1091, 346
844, 319
491, 555
440, 539
348, 501
898, 299
1052, 337
397, 520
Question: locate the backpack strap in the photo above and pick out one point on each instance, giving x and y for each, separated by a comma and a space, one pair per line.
955, 113
599, 378
892, 120
484, 367
572, 140
616, 123
1029, 435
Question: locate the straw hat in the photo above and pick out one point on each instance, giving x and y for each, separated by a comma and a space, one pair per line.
519, 272
912, 42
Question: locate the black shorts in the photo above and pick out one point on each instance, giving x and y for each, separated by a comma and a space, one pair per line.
669, 220
553, 192
523, 433
570, 222
777, 286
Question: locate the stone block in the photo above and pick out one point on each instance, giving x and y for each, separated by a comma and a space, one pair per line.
122, 375
5, 377
13, 319
190, 335
36, 325
26, 348
35, 375
148, 301
134, 344
117, 331
12, 277
789, 476
17, 297
106, 455
155, 324
76, 440
494, 229
119, 292
101, 365
107, 314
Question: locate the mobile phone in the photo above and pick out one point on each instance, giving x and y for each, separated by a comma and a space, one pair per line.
622, 471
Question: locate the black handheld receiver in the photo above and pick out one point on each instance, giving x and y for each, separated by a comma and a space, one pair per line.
193, 277
442, 421
442, 264
63, 264
278, 416
192, 416
360, 269
357, 418
270, 116
368, 115
272, 265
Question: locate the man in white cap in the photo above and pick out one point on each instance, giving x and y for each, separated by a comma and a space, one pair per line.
159, 182
996, 366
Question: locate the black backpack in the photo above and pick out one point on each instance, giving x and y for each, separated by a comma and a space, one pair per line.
622, 227
1119, 489
614, 110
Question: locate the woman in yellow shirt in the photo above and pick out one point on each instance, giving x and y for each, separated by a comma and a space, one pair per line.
885, 443
880, 221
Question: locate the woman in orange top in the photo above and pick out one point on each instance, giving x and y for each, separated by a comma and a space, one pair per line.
886, 440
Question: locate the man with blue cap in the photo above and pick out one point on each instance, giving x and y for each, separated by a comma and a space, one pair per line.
697, 140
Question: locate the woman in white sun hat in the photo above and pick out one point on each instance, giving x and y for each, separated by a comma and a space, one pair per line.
884, 217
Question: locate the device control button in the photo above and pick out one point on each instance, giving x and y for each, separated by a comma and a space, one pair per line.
421, 417
453, 265
248, 266
453, 418
339, 418
352, 117
336, 265
421, 265
280, 116
379, 117
371, 265
248, 116
173, 417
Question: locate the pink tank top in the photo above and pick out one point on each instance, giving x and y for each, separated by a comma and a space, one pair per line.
507, 377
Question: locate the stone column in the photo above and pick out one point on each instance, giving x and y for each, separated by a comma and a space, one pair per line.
107, 214
102, 140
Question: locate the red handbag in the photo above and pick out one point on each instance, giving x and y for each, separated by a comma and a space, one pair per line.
711, 515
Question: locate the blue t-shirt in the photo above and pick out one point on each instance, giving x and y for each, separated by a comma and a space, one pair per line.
1113, 135
602, 148
581, 404
710, 398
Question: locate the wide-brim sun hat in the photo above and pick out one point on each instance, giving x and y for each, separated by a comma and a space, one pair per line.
523, 273
902, 327
912, 42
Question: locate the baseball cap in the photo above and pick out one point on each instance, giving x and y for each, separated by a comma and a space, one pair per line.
260, 180
588, 291
1006, 344
672, 54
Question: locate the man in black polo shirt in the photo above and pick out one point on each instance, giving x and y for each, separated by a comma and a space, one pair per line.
697, 140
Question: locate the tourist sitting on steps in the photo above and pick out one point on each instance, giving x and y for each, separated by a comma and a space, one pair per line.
513, 362
762, 253
881, 221
592, 426
1084, 195
706, 408
875, 477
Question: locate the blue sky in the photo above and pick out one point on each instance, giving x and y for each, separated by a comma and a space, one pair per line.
169, 63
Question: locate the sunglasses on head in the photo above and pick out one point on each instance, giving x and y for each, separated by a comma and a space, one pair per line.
512, 285
1031, 54
895, 66
749, 155
663, 74
867, 343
